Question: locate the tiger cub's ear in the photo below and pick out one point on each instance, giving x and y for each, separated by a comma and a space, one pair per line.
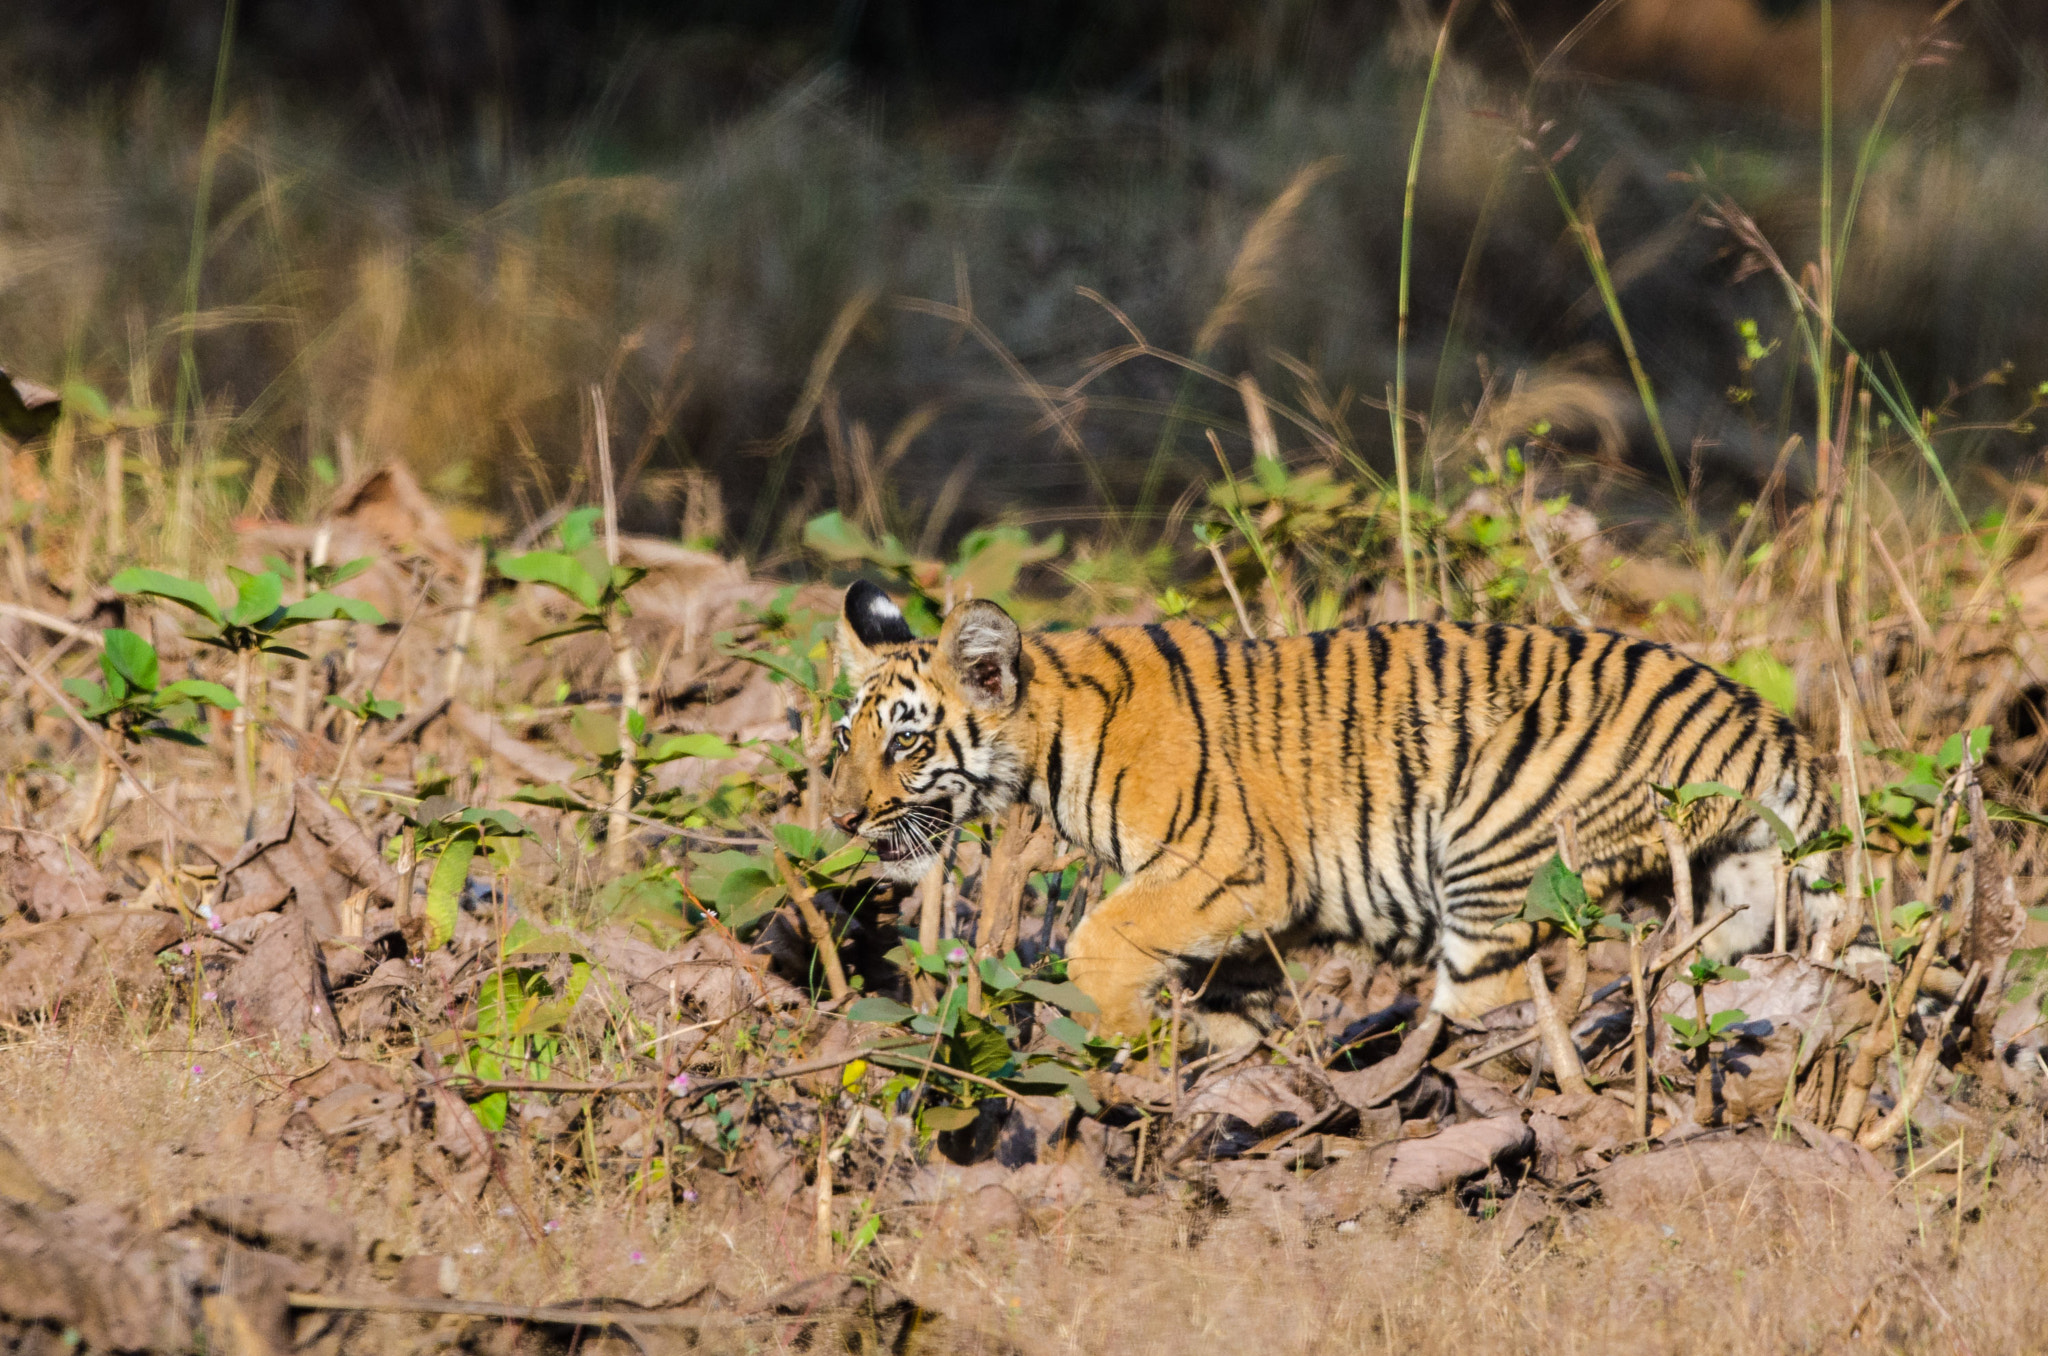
869, 619
981, 644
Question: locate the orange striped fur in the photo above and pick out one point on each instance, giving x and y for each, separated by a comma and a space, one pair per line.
1393, 788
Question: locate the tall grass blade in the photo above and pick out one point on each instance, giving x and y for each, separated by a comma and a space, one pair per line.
1397, 404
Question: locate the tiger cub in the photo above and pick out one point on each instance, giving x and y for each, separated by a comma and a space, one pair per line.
1390, 787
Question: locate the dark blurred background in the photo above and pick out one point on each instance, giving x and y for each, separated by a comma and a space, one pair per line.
432, 224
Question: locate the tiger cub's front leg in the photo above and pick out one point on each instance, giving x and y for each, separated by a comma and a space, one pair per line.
1131, 943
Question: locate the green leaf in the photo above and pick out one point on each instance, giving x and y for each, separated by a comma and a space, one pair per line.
131, 657
2013, 814
1721, 1021
197, 690
330, 607
1063, 994
579, 527
444, 891
557, 570
589, 621
1068, 1032
490, 1111
497, 823
1951, 754
1773, 681
836, 539
257, 597
524, 939
937, 1119
97, 701
1556, 895
842, 859
157, 584
341, 574
595, 732
1053, 1078
876, 1008
979, 1046
998, 976
554, 796
798, 841
794, 668
623, 577
698, 745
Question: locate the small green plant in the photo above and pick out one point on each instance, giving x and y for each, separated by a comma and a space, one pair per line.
988, 1049
598, 736
586, 570
743, 887
1699, 1032
581, 571
131, 703
520, 1015
1557, 895
369, 708
452, 839
252, 625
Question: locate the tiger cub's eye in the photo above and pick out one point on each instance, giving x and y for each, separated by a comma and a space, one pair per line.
904, 741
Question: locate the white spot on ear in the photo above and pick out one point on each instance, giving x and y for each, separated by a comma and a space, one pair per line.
882, 611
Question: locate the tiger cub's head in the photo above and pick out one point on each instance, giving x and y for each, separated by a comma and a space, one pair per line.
928, 741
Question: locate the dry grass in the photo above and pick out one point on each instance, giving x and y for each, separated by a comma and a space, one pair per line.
115, 1117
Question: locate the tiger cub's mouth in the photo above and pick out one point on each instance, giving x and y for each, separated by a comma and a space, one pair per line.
913, 836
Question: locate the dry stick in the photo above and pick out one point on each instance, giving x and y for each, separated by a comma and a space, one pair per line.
465, 619
1639, 994
1882, 1034
821, 1237
1024, 847
814, 923
238, 734
107, 748
931, 895
1826, 946
617, 831
1244, 618
1556, 1036
50, 623
302, 690
1916, 1082
1781, 889
1686, 944
1681, 872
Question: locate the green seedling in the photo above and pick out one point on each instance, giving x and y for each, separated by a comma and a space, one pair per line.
1696, 1035
583, 571
521, 1014
990, 1046
580, 571
452, 840
253, 624
131, 703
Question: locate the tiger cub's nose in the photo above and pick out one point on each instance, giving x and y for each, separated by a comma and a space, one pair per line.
846, 821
